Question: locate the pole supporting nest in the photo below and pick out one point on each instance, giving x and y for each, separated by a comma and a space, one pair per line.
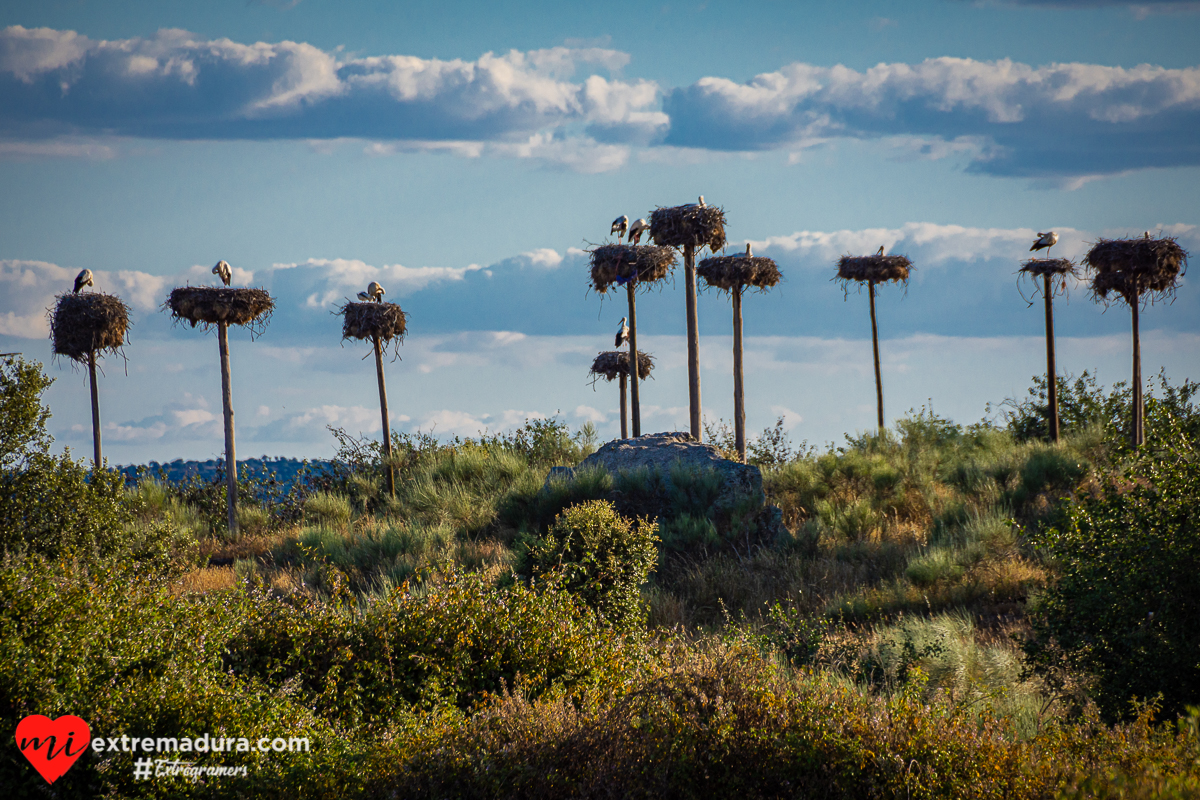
614, 364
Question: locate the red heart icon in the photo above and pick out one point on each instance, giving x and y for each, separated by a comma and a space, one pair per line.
51, 745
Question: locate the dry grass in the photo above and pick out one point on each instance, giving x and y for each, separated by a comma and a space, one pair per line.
205, 579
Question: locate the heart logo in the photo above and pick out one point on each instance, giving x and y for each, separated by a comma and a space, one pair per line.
52, 746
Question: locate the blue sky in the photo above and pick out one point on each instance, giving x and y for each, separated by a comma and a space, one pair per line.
467, 154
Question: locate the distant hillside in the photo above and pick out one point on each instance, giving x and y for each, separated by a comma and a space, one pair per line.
285, 469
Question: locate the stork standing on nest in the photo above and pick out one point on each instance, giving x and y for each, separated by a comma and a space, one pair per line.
622, 334
376, 291
84, 278
1045, 241
363, 297
637, 229
223, 271
619, 226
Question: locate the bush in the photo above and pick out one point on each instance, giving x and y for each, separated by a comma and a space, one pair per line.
1126, 599
594, 552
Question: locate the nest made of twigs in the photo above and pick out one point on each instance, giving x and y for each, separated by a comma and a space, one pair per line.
369, 320
621, 263
1133, 267
676, 226
614, 363
85, 323
876, 269
730, 272
1048, 266
211, 305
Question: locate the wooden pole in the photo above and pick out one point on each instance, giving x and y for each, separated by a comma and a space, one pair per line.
1139, 431
227, 404
875, 347
387, 429
1051, 371
624, 407
739, 397
634, 379
96, 459
693, 339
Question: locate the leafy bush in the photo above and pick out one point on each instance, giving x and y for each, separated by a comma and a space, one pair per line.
1126, 599
594, 552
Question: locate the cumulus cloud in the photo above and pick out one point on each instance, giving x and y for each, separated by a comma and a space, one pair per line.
177, 85
1055, 120
28, 289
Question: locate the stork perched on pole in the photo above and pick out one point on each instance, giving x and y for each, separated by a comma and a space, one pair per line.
637, 229
619, 226
84, 278
1045, 241
223, 271
376, 291
622, 334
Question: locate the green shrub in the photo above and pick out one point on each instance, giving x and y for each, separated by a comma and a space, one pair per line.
936, 564
327, 508
1125, 600
594, 552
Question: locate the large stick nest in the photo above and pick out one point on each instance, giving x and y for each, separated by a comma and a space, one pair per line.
730, 272
1048, 266
211, 305
1133, 267
702, 226
368, 320
621, 263
85, 323
876, 269
614, 363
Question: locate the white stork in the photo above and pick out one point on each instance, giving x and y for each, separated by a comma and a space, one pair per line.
84, 278
363, 297
376, 291
223, 270
637, 229
619, 226
880, 251
748, 254
702, 202
1045, 241
622, 334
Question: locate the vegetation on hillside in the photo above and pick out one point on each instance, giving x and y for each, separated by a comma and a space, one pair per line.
952, 612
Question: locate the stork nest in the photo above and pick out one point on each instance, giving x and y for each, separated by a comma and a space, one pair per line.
614, 363
211, 305
876, 269
1048, 266
622, 263
731, 272
1133, 267
369, 320
702, 226
81, 324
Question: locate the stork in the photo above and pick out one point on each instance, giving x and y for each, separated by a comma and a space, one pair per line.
701, 204
223, 270
622, 334
376, 291
619, 226
1045, 240
749, 252
880, 251
637, 229
363, 297
84, 278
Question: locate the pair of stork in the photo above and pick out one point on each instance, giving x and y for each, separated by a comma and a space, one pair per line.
621, 225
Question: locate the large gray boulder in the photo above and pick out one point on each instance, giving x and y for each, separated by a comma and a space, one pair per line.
659, 474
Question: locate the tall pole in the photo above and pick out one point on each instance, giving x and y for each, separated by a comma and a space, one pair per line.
693, 337
1051, 372
95, 410
624, 407
227, 403
1139, 431
634, 378
383, 411
875, 347
739, 397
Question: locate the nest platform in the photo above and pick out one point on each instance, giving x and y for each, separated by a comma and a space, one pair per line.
877, 269
1133, 267
611, 364
1048, 266
86, 323
729, 272
676, 226
369, 320
622, 263
213, 305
